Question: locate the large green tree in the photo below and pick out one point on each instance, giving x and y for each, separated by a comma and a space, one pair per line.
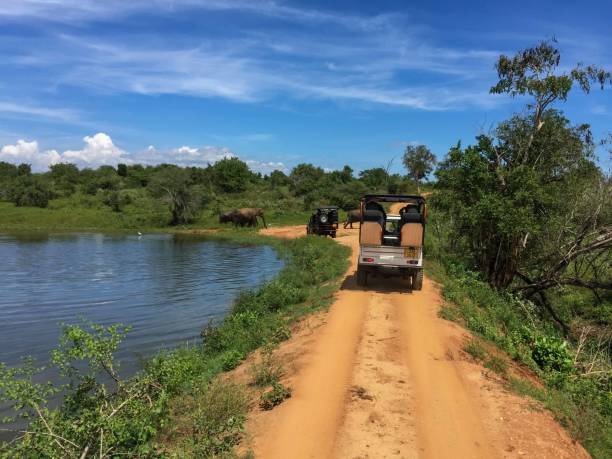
419, 162
527, 201
232, 175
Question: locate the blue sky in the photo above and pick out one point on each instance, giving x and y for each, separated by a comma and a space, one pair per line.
274, 83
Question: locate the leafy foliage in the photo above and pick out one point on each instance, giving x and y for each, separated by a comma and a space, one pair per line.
419, 162
27, 191
552, 354
507, 197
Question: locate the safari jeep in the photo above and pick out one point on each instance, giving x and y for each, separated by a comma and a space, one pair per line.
391, 243
324, 221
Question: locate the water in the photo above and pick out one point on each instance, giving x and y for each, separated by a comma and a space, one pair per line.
166, 287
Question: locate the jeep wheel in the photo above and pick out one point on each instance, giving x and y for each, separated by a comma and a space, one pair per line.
362, 277
417, 280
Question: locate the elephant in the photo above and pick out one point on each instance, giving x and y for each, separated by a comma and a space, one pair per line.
243, 217
351, 217
251, 213
227, 217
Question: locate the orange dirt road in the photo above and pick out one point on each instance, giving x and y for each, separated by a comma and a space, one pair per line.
380, 375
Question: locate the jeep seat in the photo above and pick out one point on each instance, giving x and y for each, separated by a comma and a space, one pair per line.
372, 227
411, 229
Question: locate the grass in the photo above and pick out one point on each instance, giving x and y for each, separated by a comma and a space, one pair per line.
81, 212
208, 420
475, 349
269, 369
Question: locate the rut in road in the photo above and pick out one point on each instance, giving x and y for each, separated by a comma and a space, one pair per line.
383, 376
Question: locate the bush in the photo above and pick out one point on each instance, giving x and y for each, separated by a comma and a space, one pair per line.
268, 370
29, 192
276, 395
551, 353
231, 359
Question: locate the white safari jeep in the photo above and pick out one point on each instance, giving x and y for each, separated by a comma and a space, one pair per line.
391, 244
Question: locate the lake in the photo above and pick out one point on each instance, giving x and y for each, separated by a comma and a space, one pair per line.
167, 287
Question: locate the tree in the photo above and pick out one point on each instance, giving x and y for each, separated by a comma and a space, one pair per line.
122, 170
375, 179
8, 172
24, 169
510, 197
173, 183
103, 178
65, 178
305, 178
419, 162
231, 175
28, 191
342, 176
278, 178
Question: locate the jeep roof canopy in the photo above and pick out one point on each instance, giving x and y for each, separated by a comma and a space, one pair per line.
327, 207
394, 198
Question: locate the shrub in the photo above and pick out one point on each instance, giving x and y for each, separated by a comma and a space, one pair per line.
276, 395
551, 353
28, 192
268, 370
231, 359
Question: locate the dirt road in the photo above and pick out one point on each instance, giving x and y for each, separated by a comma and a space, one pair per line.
380, 375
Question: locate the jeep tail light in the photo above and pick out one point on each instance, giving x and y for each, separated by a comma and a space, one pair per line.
368, 260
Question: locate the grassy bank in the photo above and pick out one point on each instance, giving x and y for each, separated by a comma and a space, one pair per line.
84, 213
175, 407
576, 378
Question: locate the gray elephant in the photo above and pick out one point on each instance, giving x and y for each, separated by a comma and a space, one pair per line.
227, 217
352, 216
247, 216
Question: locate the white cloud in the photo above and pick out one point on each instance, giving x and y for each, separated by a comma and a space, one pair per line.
183, 156
99, 150
29, 153
201, 157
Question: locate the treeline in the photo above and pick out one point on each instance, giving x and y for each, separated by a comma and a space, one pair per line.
187, 191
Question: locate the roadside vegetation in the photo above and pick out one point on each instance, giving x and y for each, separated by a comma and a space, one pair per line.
521, 240
176, 406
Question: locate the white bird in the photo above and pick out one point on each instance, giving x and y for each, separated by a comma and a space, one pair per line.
139, 233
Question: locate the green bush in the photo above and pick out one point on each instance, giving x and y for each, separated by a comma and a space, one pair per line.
231, 359
551, 353
29, 192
